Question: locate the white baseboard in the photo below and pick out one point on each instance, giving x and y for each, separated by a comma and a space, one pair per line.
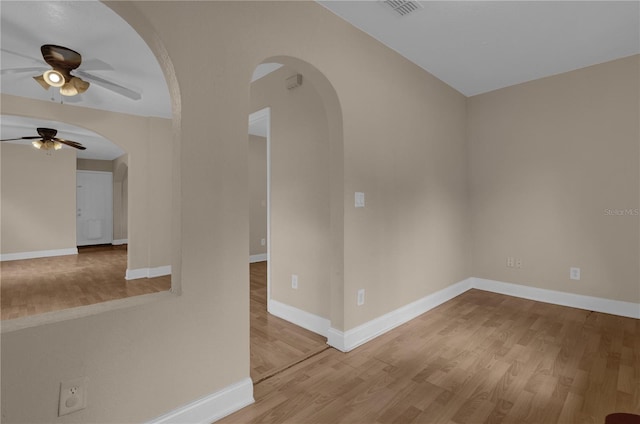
213, 407
598, 304
258, 258
134, 274
120, 241
38, 254
337, 340
300, 318
349, 340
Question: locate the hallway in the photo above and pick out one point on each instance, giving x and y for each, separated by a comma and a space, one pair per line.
275, 343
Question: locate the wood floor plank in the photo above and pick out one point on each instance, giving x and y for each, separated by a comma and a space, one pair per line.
94, 275
479, 358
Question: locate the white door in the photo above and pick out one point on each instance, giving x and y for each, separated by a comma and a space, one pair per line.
94, 208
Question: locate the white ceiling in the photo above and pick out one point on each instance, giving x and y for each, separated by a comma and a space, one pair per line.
263, 70
258, 127
480, 46
474, 46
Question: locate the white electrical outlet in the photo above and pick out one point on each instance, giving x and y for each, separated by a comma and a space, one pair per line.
574, 273
518, 263
294, 281
263, 242
510, 262
73, 396
360, 297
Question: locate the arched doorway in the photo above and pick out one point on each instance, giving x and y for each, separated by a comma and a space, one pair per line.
303, 200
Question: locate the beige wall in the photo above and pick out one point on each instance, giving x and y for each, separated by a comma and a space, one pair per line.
257, 194
300, 231
120, 196
38, 199
159, 175
548, 159
94, 165
405, 148
148, 142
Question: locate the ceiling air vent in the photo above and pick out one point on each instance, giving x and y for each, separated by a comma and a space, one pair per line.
403, 7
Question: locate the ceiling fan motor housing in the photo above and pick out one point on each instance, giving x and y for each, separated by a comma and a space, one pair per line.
47, 133
62, 61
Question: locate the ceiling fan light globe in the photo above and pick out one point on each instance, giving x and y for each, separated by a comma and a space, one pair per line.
37, 144
80, 84
68, 90
57, 145
54, 78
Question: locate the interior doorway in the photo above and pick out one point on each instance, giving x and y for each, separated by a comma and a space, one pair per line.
94, 208
304, 268
260, 190
275, 344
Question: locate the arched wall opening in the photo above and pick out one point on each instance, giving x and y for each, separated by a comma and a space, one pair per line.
305, 200
147, 182
169, 131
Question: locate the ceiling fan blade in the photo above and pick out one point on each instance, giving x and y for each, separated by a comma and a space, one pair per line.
24, 56
22, 138
20, 70
124, 91
70, 143
96, 65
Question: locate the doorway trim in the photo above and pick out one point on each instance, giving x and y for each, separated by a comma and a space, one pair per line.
264, 115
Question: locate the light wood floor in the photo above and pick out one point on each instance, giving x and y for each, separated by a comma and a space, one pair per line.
94, 275
479, 358
275, 343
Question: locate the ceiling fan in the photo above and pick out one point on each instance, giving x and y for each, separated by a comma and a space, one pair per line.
63, 61
48, 140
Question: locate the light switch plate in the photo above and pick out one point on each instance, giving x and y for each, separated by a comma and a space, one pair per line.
359, 199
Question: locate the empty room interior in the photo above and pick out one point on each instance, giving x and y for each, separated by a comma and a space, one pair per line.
320, 212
